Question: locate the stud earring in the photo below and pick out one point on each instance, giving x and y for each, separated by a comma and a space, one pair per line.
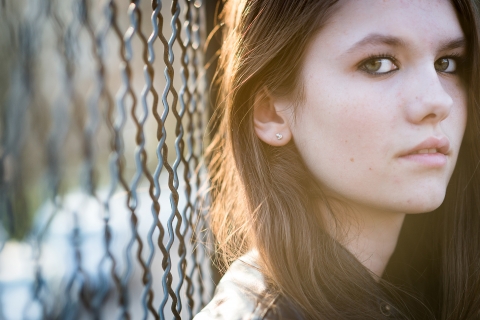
279, 136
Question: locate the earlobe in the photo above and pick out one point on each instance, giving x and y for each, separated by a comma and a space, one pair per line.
270, 121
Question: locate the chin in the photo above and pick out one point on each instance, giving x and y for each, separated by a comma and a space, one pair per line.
423, 202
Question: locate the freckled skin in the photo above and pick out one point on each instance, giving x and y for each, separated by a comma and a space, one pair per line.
351, 116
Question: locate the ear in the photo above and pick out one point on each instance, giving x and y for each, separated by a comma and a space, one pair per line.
270, 120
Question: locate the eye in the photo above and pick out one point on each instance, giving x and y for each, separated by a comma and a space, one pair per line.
378, 65
446, 65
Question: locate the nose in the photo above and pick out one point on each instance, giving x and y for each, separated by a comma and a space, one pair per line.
429, 101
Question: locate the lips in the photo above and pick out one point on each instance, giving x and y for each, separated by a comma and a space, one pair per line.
431, 145
431, 153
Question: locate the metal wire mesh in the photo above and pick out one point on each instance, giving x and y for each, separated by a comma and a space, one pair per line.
101, 126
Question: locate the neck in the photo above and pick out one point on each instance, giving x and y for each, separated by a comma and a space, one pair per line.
370, 235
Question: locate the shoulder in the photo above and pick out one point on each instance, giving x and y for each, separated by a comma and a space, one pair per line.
243, 294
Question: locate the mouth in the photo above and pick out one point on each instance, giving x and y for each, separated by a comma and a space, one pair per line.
431, 145
432, 152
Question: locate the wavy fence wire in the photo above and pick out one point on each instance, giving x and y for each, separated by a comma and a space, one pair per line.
101, 126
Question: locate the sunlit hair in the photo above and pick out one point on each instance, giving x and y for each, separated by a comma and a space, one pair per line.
263, 197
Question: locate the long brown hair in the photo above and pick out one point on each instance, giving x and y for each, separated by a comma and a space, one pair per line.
262, 195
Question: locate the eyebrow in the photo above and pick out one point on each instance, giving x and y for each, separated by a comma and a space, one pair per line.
378, 39
453, 44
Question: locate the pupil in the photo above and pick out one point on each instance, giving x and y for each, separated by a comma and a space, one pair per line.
442, 64
374, 65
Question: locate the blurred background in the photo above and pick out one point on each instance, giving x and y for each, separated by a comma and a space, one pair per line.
104, 106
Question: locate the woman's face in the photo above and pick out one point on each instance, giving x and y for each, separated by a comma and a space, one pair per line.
384, 110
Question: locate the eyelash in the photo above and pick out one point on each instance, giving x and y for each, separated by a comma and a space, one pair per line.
459, 59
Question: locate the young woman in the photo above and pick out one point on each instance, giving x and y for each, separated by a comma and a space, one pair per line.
345, 165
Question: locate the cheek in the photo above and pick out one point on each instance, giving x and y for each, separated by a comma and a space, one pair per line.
456, 123
347, 122
343, 135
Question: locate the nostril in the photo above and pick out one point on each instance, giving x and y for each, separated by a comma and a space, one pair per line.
430, 116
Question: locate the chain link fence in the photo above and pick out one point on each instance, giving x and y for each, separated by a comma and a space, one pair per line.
102, 124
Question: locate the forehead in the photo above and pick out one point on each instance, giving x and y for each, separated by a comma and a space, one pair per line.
424, 22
